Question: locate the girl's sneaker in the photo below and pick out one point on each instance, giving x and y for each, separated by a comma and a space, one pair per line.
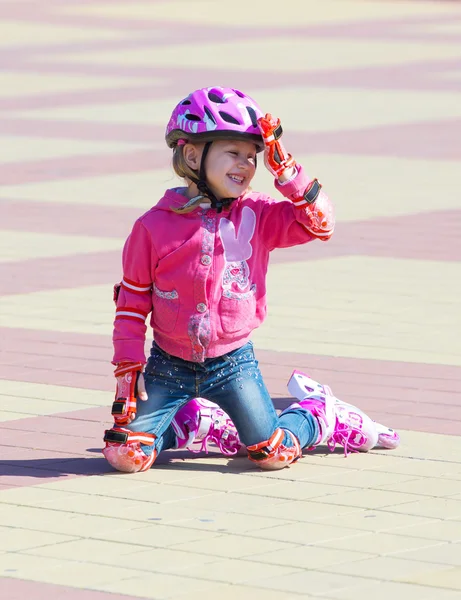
200, 422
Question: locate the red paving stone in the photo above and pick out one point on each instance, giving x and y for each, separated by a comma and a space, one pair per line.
17, 589
417, 396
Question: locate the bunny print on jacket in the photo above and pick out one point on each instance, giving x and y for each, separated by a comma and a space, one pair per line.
237, 249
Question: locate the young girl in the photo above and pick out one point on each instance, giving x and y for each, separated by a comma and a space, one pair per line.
197, 261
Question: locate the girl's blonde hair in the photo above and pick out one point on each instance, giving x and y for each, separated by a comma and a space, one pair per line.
182, 170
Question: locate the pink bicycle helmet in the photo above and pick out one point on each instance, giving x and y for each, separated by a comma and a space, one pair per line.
215, 113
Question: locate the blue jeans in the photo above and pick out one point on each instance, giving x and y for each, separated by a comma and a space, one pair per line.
233, 381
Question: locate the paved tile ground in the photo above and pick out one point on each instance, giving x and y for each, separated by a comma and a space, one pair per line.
370, 96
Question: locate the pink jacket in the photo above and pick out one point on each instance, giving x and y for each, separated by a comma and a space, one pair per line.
202, 275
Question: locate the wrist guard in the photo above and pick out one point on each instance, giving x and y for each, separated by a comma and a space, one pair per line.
124, 406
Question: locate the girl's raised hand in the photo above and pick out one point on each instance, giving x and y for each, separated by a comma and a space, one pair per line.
277, 160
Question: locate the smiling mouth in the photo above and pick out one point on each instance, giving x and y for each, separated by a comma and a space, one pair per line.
236, 179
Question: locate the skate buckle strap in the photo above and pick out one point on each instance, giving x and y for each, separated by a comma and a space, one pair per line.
119, 406
117, 435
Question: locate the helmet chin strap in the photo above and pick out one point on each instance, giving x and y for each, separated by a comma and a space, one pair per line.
203, 188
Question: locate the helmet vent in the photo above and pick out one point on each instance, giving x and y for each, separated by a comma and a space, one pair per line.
186, 102
252, 113
191, 117
209, 114
239, 94
228, 118
215, 98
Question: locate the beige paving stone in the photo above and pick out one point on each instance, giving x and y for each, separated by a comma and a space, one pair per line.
368, 498
393, 463
35, 406
154, 112
234, 546
88, 551
240, 571
22, 245
233, 502
342, 109
303, 470
19, 149
77, 504
383, 590
365, 197
437, 447
161, 585
232, 522
34, 496
442, 553
438, 508
42, 34
52, 521
353, 462
335, 109
228, 482
307, 533
381, 521
119, 507
388, 568
30, 84
49, 310
246, 592
311, 557
456, 497
351, 204
11, 416
293, 490
303, 511
17, 391
80, 575
23, 566
381, 543
13, 539
170, 473
158, 535
439, 529
312, 582
385, 312
305, 12
313, 54
430, 486
141, 190
157, 560
363, 479
447, 578
155, 492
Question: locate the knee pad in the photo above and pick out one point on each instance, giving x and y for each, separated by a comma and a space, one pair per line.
123, 450
272, 454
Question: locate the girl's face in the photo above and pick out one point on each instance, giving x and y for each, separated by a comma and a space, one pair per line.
230, 166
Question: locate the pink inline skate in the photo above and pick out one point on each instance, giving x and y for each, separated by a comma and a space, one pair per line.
346, 424
201, 422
